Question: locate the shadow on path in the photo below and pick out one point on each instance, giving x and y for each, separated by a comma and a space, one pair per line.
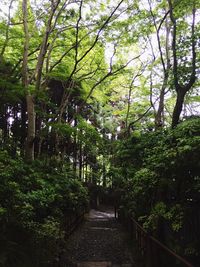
99, 242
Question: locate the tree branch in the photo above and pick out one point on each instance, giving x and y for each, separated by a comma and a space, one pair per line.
7, 31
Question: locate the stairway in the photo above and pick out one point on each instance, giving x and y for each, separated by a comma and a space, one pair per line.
99, 242
102, 264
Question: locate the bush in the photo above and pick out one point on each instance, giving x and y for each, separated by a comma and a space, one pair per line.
161, 180
35, 201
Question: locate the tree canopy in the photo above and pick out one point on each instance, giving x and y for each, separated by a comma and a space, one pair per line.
98, 93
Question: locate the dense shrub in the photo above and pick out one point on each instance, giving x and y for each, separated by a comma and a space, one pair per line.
162, 182
35, 202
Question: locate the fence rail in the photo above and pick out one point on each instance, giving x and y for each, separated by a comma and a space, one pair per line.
155, 254
73, 222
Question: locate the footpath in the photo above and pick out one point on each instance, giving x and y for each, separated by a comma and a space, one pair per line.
100, 242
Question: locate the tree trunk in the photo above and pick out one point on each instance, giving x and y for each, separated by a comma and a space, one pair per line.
29, 153
39, 139
80, 161
178, 107
23, 127
104, 172
74, 159
7, 32
86, 169
5, 130
44, 45
182, 90
159, 115
75, 149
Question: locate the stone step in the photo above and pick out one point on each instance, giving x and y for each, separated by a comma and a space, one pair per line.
102, 264
95, 264
122, 265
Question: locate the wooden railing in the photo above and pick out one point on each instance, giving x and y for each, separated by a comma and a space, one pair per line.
70, 225
155, 254
73, 222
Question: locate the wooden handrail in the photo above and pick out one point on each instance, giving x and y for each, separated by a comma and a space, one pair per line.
75, 222
178, 257
168, 250
144, 238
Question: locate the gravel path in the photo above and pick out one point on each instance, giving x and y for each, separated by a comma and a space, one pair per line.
99, 242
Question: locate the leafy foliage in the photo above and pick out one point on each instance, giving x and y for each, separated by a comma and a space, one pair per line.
36, 201
161, 171
85, 106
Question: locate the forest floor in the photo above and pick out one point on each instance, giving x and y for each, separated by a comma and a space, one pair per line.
100, 241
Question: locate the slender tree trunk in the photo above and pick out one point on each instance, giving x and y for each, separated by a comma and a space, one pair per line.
165, 60
29, 150
104, 172
159, 116
7, 32
182, 90
38, 143
178, 107
25, 81
86, 169
74, 159
75, 149
57, 142
80, 161
29, 153
5, 131
44, 45
23, 127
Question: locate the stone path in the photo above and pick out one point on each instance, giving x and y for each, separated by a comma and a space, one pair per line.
99, 242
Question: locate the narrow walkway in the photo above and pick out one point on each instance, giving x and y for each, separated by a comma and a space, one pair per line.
99, 242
